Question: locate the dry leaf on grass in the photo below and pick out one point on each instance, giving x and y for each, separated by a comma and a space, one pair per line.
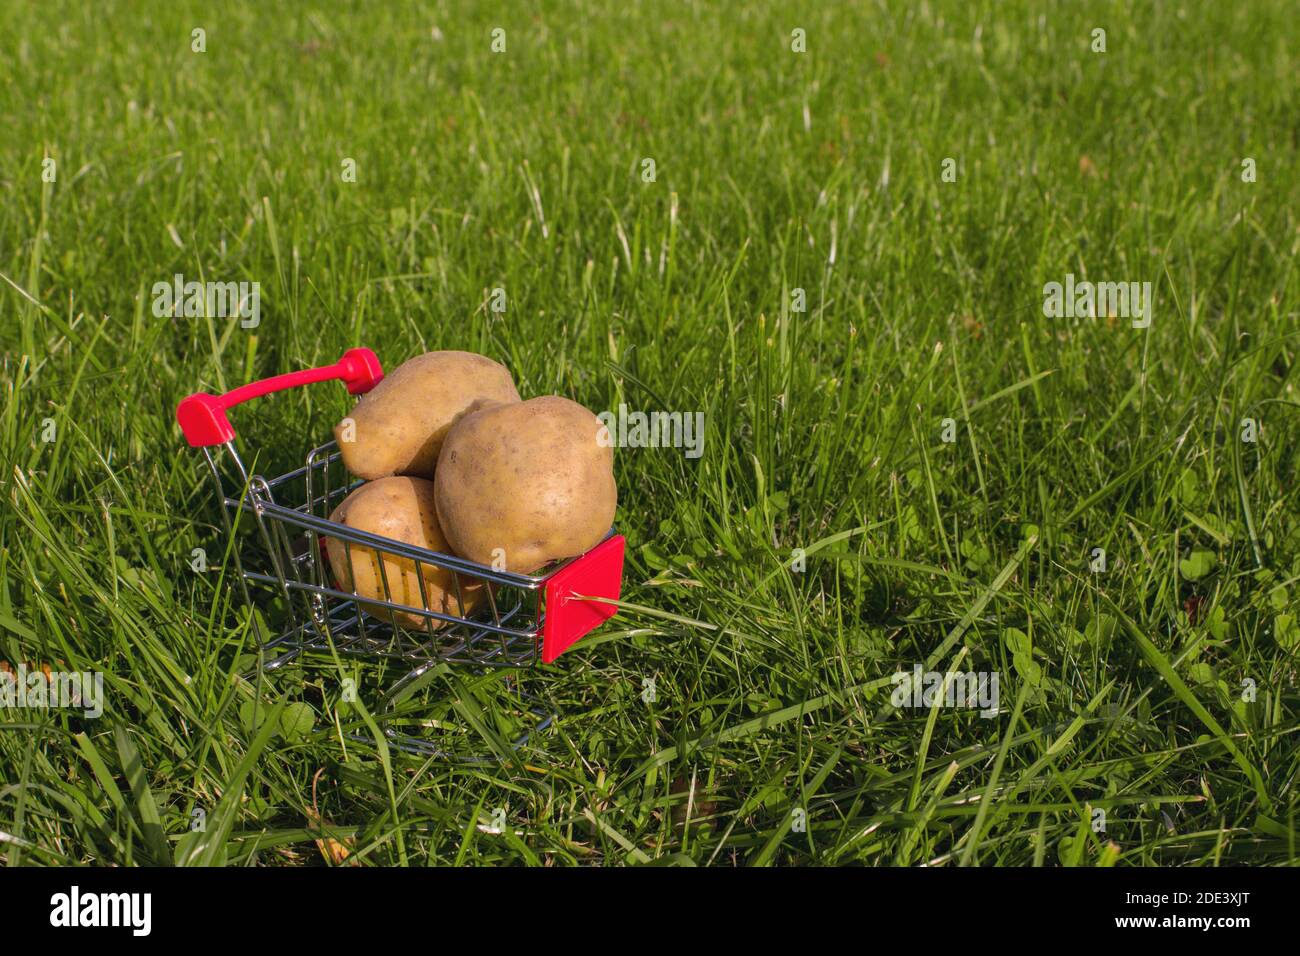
334, 852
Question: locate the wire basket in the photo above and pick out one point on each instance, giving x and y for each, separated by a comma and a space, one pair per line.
525, 619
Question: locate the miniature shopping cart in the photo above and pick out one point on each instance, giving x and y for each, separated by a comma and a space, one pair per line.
527, 618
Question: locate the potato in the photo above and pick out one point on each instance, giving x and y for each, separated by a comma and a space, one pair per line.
400, 508
398, 426
522, 484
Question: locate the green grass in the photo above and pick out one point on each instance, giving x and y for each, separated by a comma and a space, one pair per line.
775, 171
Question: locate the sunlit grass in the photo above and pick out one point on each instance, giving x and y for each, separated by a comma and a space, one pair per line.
827, 539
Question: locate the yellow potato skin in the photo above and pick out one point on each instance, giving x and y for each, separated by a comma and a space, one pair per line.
403, 509
530, 478
399, 425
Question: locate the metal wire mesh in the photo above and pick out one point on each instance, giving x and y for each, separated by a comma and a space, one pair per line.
284, 527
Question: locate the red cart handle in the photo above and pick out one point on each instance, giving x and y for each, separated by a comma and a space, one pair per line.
202, 416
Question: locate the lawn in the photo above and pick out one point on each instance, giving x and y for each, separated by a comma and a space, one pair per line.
836, 244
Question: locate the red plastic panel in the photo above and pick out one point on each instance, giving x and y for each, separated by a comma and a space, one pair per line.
598, 573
